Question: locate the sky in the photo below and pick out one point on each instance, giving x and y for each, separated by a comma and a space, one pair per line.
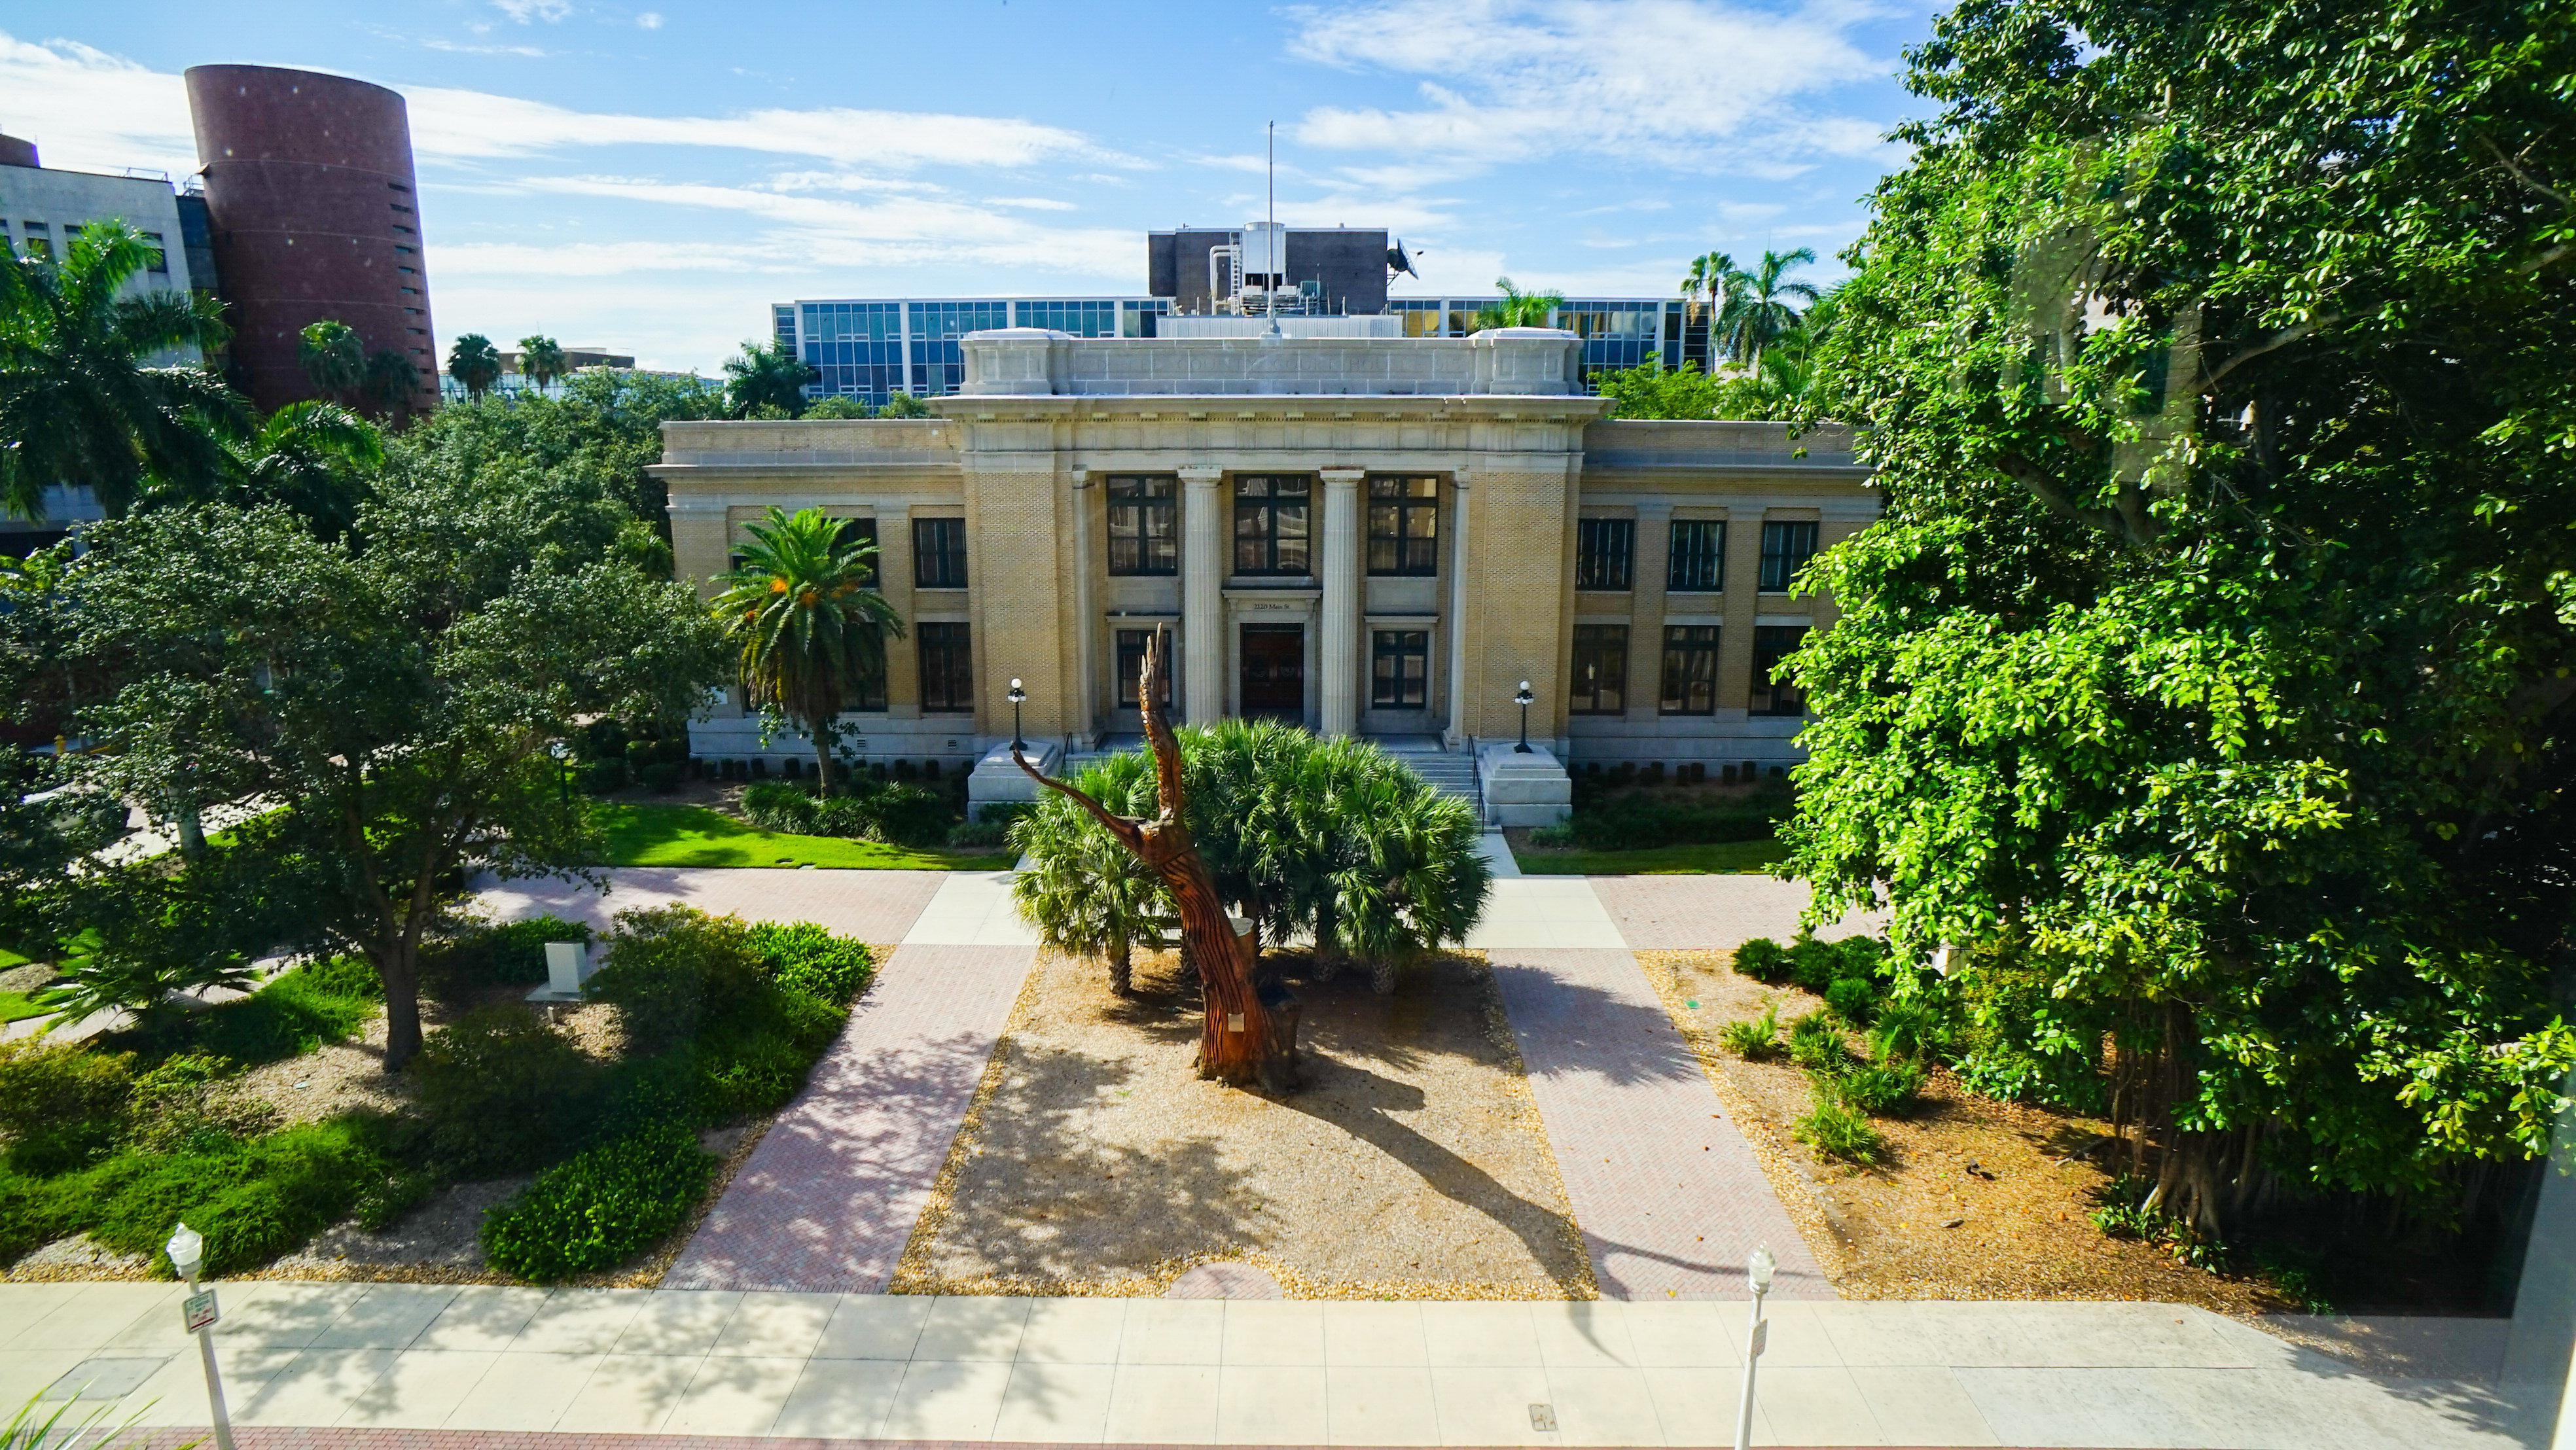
649, 177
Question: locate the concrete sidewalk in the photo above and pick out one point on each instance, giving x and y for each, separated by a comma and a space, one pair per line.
1171, 1372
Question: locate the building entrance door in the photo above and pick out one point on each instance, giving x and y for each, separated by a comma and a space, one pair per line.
1274, 671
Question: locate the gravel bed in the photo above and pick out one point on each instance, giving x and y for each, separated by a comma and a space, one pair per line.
1977, 1199
1094, 1161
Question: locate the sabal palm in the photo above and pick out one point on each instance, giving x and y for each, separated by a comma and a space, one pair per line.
333, 358
1758, 306
1419, 880
78, 405
811, 631
314, 457
1518, 308
541, 361
1703, 287
772, 376
1084, 892
475, 364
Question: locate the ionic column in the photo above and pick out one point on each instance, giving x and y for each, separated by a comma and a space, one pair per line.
1203, 562
1340, 563
1458, 612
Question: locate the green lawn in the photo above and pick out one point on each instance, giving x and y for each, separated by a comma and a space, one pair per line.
1725, 857
644, 834
10, 959
17, 1005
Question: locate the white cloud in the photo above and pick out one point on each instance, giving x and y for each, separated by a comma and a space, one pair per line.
88, 110
1697, 85
582, 259
524, 11
459, 47
650, 20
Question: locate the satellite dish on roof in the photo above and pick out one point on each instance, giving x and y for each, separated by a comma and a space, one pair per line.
1397, 261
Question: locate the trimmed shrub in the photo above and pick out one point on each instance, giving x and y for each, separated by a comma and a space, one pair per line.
1852, 1000
1764, 960
674, 973
774, 805
1834, 1130
503, 1091
252, 1200
1755, 1039
1880, 1089
1558, 837
325, 1001
600, 1208
61, 1105
1864, 957
503, 954
1906, 1030
1816, 1045
1814, 964
803, 957
908, 815
1633, 822
978, 836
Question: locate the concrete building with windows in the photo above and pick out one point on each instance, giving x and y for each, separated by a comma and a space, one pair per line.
1376, 536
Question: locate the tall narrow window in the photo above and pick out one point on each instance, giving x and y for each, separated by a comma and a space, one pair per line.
939, 553
868, 691
1143, 535
1604, 551
1131, 669
947, 668
1773, 643
1404, 526
1600, 672
39, 241
1690, 669
1787, 545
863, 532
1698, 557
157, 262
1400, 669
1270, 523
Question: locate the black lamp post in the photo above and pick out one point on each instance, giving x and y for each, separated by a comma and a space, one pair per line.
1523, 699
563, 770
1015, 697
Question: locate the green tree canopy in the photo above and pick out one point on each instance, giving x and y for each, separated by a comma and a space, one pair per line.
316, 458
809, 626
2208, 679
79, 403
1759, 307
333, 358
475, 364
770, 376
1517, 308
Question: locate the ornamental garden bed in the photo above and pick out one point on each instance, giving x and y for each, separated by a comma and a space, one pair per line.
1094, 1161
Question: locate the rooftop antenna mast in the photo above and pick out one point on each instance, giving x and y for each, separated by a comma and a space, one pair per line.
1270, 280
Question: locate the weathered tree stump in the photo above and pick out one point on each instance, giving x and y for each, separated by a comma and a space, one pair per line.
1248, 1035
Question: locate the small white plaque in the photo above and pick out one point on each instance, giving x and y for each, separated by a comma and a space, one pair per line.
199, 1310
1761, 1336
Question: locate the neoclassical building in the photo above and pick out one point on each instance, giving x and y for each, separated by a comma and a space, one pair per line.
1381, 536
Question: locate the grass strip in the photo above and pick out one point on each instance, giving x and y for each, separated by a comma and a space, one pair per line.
1718, 858
641, 833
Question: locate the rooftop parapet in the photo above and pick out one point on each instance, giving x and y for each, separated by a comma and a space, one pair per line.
1035, 362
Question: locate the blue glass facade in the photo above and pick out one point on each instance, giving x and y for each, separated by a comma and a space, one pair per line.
1084, 318
938, 367
857, 347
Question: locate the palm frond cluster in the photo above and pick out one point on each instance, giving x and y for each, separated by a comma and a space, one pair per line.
1330, 842
810, 628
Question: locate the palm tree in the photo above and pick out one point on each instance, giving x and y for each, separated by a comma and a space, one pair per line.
392, 381
541, 361
773, 377
1084, 892
1518, 308
314, 457
1757, 309
334, 360
475, 364
1703, 287
1418, 879
77, 404
812, 633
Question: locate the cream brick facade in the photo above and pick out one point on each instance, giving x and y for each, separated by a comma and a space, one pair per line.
1025, 453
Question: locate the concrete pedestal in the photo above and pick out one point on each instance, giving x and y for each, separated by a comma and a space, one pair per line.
1520, 789
996, 779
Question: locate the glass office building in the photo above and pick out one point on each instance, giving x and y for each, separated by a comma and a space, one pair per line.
872, 348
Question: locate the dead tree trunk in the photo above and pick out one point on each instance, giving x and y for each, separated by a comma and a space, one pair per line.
1245, 1040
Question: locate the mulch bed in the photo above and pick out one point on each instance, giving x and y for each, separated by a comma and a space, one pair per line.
1094, 1161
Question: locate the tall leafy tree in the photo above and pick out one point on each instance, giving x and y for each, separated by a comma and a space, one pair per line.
475, 364
771, 376
810, 629
79, 401
394, 692
1761, 305
333, 358
316, 458
1516, 308
2209, 683
541, 360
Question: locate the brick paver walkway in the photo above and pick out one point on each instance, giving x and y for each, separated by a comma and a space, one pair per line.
1667, 1193
831, 1194
873, 906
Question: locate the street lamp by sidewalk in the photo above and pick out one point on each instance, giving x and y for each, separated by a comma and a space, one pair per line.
1015, 697
1523, 699
1757, 1272
187, 1249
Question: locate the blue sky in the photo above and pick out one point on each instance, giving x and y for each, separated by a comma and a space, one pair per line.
649, 176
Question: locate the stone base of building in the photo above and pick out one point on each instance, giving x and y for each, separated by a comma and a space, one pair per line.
952, 742
1731, 738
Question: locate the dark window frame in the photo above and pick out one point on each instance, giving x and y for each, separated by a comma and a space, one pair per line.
1269, 544
1605, 555
1387, 691
864, 531
871, 689
1396, 502
1689, 677
1699, 567
947, 650
1130, 666
939, 553
1773, 643
1149, 552
1787, 545
1604, 647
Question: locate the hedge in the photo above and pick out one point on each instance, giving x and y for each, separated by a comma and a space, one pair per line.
600, 1208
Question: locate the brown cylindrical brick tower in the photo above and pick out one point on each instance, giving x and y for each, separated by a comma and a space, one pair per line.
316, 215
